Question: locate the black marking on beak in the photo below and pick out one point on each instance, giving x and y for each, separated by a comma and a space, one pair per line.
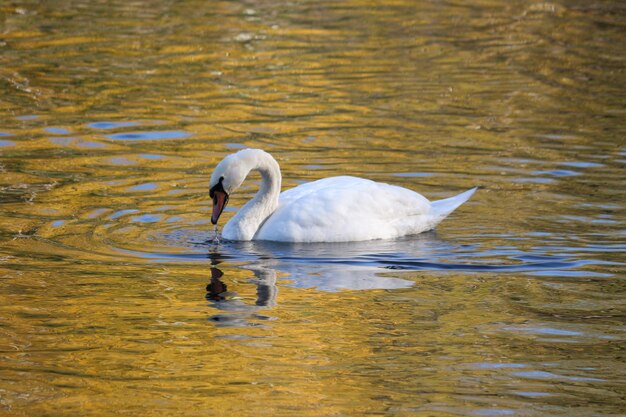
220, 199
217, 187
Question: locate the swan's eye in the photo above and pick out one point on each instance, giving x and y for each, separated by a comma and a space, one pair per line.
217, 187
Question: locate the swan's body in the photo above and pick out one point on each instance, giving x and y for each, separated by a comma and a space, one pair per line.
336, 209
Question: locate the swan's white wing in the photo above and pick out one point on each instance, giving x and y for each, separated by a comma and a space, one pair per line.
346, 209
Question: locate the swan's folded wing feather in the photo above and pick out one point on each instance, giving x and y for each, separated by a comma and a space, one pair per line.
342, 209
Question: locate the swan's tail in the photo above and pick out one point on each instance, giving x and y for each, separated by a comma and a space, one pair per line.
441, 208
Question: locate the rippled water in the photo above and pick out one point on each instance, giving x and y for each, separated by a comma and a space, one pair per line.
116, 299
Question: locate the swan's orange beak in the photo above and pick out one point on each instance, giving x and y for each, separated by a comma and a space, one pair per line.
220, 198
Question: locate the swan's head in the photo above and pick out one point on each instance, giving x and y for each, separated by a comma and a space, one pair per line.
227, 177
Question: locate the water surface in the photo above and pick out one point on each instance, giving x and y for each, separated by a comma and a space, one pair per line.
115, 299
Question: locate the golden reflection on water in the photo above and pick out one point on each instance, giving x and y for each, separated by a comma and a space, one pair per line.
114, 114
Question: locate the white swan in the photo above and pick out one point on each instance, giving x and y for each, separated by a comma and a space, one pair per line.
336, 209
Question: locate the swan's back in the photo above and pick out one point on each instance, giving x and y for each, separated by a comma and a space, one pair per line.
341, 209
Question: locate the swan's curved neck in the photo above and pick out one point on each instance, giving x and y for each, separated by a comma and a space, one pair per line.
251, 216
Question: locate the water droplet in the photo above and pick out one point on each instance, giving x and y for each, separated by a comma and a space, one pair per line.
216, 238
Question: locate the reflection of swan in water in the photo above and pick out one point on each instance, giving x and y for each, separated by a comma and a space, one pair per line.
238, 313
324, 266
328, 277
337, 266
327, 267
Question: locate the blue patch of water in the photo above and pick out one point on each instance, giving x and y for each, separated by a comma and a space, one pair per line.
62, 141
205, 221
153, 135
143, 187
490, 365
581, 164
534, 180
556, 136
57, 130
147, 218
532, 394
550, 375
91, 145
96, 213
537, 375
544, 331
557, 173
6, 143
493, 412
413, 174
151, 156
67, 141
121, 161
121, 213
178, 191
604, 221
568, 273
236, 146
111, 125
